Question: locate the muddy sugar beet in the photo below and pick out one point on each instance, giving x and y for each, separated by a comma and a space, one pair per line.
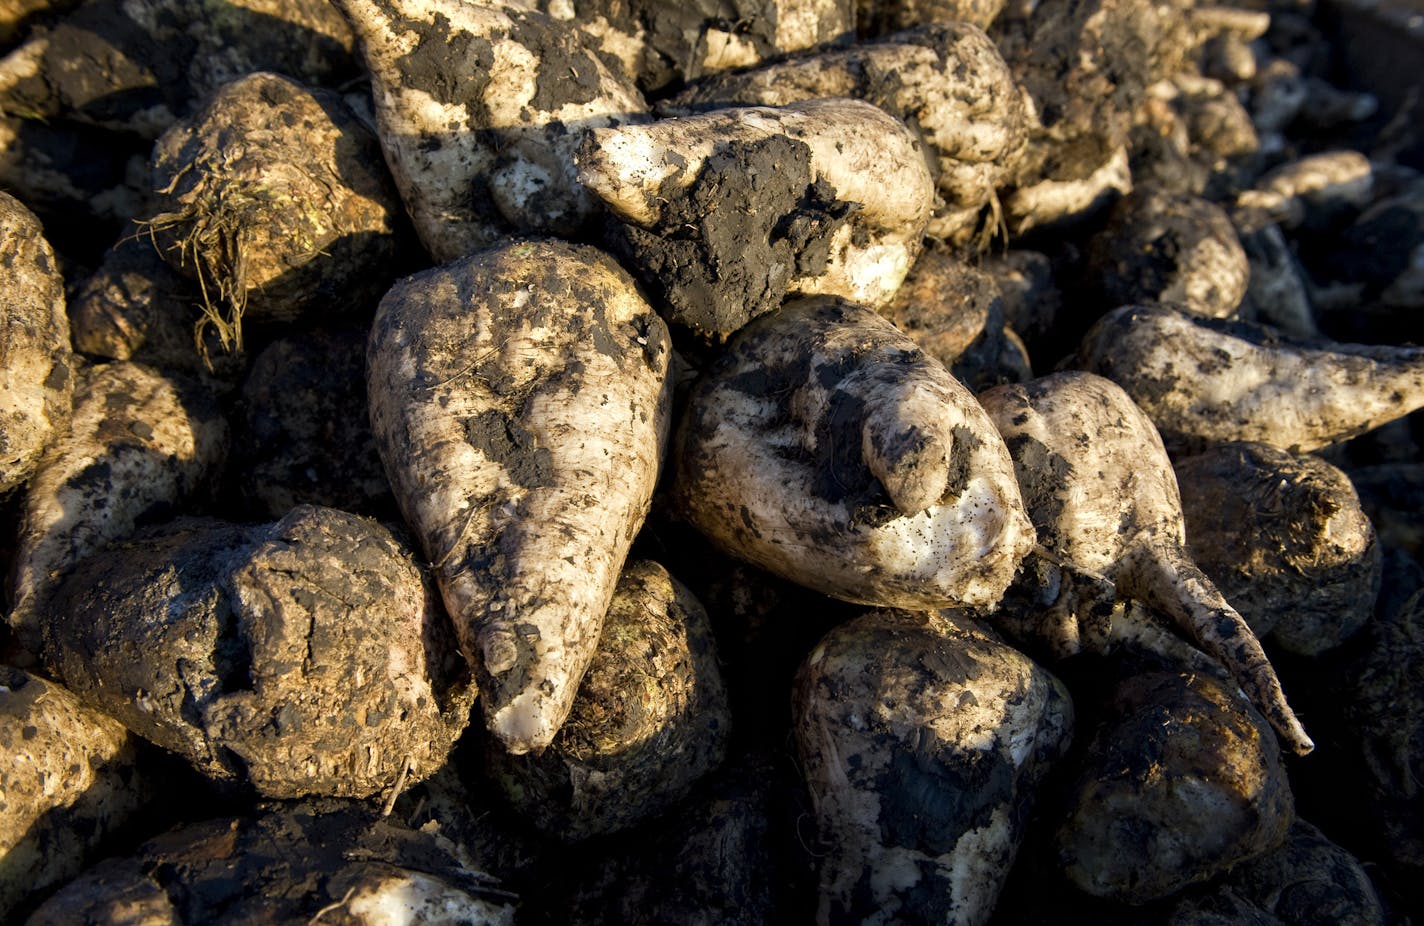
305, 657
519, 400
827, 448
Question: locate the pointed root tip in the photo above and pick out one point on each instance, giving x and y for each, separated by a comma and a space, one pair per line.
1295, 736
525, 724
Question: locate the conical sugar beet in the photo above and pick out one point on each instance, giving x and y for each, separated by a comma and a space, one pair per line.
519, 400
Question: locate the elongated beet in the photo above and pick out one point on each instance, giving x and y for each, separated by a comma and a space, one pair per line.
1103, 498
727, 212
1202, 379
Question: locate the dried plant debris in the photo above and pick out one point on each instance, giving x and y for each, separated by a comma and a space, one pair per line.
137, 66
1165, 247
1104, 501
36, 366
924, 739
1201, 379
303, 432
141, 449
827, 448
70, 777
305, 657
649, 719
724, 214
295, 865
520, 402
1180, 783
946, 80
479, 109
275, 199
1285, 539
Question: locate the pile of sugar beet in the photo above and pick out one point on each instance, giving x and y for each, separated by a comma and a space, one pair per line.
901, 461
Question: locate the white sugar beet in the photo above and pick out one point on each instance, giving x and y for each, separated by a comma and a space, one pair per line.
1203, 380
519, 400
826, 447
478, 108
1104, 499
727, 212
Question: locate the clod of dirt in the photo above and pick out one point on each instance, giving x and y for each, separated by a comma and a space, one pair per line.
924, 740
274, 197
36, 378
649, 719
1180, 783
306, 657
69, 777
